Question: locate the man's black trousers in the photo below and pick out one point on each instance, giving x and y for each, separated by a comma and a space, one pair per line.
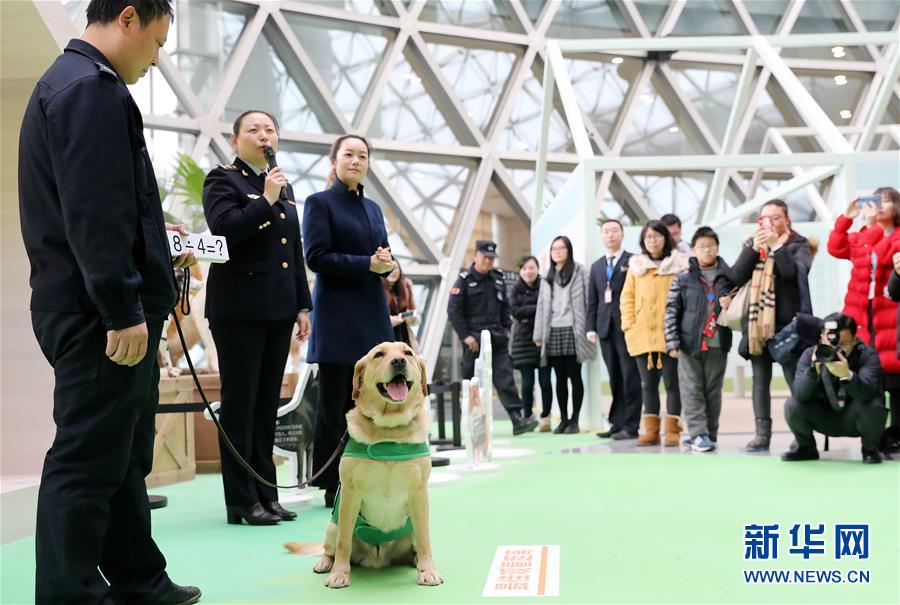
624, 381
93, 515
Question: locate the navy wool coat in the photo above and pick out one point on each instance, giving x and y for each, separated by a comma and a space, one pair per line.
341, 230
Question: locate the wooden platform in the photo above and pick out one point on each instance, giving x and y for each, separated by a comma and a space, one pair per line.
186, 443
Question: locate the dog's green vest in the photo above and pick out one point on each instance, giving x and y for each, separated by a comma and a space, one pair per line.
383, 450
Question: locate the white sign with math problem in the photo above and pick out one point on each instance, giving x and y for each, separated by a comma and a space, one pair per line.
206, 247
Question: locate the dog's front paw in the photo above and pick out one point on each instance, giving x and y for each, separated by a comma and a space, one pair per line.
324, 564
338, 579
429, 577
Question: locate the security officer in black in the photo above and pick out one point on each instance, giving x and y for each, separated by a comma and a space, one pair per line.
478, 301
102, 282
252, 302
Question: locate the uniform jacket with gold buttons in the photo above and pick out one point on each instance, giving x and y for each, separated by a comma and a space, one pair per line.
265, 276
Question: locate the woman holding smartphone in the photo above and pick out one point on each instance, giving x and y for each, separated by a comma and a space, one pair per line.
401, 306
775, 261
870, 249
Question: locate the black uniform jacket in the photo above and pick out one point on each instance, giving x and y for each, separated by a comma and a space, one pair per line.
479, 301
602, 316
265, 277
342, 229
89, 204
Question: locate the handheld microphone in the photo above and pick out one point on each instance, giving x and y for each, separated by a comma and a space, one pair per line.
270, 157
270, 160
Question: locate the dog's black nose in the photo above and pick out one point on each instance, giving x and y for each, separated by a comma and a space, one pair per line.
398, 363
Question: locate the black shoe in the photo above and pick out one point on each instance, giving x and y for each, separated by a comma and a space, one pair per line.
561, 428
572, 428
173, 595
624, 435
890, 442
800, 453
276, 509
608, 434
871, 457
255, 515
522, 425
330, 495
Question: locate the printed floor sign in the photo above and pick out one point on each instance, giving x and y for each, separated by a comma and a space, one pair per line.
524, 571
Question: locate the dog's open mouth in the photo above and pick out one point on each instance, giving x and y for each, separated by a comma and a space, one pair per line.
397, 390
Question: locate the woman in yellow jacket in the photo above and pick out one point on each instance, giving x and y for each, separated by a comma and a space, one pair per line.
643, 306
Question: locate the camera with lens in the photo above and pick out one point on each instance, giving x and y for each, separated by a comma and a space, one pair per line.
826, 353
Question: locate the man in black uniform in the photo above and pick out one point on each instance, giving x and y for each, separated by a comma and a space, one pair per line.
102, 283
478, 302
837, 392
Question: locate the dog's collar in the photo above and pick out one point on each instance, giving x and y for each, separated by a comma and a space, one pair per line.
386, 450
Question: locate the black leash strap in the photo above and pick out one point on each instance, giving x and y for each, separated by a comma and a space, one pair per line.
185, 304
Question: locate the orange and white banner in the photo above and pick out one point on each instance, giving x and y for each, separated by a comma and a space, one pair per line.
524, 571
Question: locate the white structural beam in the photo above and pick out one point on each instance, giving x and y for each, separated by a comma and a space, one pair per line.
736, 161
667, 23
677, 43
239, 58
780, 191
569, 100
543, 141
504, 183
804, 102
435, 323
738, 107
812, 193
873, 119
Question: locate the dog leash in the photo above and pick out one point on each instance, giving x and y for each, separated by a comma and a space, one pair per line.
183, 292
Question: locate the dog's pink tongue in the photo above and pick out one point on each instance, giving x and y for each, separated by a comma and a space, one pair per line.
398, 390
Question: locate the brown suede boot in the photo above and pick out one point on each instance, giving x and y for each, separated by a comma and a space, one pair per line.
650, 435
673, 431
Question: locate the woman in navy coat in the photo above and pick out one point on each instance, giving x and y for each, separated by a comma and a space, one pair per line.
347, 247
252, 302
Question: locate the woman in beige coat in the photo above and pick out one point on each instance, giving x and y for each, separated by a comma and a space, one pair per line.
559, 329
643, 306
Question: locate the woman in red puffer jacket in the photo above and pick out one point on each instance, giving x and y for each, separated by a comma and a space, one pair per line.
870, 250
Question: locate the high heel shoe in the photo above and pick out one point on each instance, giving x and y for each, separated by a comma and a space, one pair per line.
255, 515
276, 509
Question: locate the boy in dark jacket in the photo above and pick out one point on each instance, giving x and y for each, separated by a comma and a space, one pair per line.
693, 337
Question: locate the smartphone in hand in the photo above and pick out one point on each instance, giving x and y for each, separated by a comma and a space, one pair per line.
868, 199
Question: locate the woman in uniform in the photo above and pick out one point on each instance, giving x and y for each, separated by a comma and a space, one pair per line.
252, 303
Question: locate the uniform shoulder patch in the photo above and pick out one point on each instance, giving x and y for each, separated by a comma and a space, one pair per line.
227, 166
454, 291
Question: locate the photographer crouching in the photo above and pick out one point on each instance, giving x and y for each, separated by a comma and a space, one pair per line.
837, 392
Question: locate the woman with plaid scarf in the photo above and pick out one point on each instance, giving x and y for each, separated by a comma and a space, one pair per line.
774, 261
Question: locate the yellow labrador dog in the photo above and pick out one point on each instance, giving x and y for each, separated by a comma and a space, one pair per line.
382, 513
